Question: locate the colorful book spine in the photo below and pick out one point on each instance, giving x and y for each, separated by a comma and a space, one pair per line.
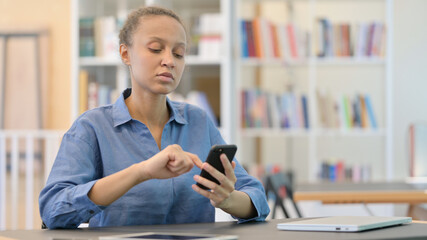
244, 38
370, 111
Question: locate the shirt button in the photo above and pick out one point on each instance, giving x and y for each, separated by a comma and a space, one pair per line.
91, 211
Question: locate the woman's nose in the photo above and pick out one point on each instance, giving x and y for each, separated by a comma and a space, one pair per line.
168, 60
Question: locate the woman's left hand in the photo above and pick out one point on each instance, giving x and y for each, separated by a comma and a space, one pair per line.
219, 194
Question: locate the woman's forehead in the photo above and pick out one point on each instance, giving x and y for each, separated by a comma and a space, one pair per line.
161, 25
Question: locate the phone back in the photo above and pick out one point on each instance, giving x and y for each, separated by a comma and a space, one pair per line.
214, 160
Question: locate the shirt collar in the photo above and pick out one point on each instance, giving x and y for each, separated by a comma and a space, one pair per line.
121, 113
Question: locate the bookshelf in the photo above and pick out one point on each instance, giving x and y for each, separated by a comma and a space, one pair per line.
96, 24
228, 73
333, 68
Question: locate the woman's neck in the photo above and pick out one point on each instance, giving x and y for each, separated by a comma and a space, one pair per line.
150, 109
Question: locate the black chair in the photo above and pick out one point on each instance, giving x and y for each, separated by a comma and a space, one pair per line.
273, 184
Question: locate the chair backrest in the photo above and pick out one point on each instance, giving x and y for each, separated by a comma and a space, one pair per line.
26, 157
280, 186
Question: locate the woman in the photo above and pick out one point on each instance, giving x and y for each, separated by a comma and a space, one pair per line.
132, 162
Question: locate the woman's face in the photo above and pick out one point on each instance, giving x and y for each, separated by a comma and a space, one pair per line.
156, 57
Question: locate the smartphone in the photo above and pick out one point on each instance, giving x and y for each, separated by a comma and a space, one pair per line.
214, 160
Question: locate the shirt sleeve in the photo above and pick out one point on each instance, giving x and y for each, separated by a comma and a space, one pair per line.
64, 201
247, 184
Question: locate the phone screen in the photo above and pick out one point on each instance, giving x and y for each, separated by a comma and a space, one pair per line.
214, 160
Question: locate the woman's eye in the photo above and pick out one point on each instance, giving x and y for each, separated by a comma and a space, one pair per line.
178, 55
155, 50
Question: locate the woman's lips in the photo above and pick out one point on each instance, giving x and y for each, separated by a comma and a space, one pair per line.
166, 75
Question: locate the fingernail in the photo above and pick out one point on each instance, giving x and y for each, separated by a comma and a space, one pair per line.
196, 177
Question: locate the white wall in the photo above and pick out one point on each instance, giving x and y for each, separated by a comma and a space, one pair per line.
410, 75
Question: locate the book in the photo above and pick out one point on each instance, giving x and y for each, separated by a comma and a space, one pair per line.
106, 37
251, 39
261, 108
283, 41
292, 40
305, 111
92, 101
244, 39
319, 34
257, 36
370, 111
86, 37
209, 47
363, 112
347, 112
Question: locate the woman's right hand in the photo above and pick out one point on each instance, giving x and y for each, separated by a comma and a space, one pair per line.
170, 162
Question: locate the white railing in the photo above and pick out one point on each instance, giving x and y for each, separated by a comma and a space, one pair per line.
26, 158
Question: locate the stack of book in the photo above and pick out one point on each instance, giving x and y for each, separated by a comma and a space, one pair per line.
263, 39
261, 109
210, 28
93, 94
98, 37
333, 170
346, 112
346, 40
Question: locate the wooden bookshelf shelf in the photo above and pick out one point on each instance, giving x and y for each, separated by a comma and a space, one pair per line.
256, 62
194, 60
273, 132
349, 61
360, 132
99, 61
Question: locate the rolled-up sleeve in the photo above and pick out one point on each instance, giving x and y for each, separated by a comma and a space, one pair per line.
64, 201
251, 186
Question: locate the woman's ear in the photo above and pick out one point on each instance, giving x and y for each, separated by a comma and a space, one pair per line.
124, 54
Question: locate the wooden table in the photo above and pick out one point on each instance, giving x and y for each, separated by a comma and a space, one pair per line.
376, 192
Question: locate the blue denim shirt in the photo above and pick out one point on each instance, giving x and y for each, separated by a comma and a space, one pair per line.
105, 140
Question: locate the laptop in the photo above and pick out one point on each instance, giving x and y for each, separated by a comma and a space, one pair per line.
343, 223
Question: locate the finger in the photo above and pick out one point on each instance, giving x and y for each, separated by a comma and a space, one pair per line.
228, 168
181, 159
196, 160
205, 193
205, 182
227, 184
233, 164
214, 172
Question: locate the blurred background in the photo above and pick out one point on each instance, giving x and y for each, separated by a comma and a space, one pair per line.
324, 90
